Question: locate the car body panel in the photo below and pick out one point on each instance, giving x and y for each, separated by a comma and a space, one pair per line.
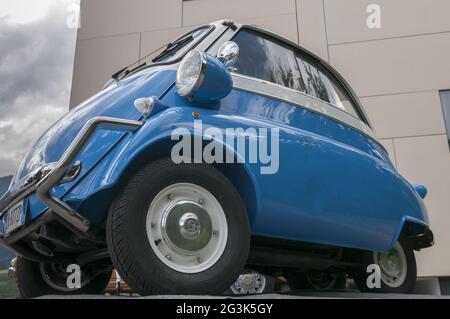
334, 186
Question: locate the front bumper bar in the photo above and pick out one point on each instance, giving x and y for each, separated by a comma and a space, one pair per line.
45, 178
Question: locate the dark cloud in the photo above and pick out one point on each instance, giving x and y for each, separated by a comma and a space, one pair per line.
36, 62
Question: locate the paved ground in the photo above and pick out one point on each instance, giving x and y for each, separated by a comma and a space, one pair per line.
304, 295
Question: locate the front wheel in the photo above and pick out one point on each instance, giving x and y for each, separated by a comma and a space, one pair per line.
178, 229
391, 272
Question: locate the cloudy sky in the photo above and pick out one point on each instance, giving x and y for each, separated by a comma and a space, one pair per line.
37, 49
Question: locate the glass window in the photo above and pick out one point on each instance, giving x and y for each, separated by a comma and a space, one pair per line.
268, 60
319, 83
445, 101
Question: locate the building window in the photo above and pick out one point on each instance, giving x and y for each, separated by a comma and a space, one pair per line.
445, 101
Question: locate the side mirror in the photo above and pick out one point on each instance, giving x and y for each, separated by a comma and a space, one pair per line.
228, 54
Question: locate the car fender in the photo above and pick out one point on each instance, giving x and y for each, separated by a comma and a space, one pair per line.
152, 142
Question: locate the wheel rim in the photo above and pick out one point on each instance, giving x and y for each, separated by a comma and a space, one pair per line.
393, 266
249, 283
55, 275
187, 228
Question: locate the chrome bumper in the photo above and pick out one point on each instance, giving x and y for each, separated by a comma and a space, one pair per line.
45, 178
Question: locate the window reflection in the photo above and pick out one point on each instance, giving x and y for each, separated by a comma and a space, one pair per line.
267, 60
319, 83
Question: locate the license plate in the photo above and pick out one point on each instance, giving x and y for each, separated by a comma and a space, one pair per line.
14, 218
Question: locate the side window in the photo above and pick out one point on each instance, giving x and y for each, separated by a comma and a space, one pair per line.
319, 83
262, 58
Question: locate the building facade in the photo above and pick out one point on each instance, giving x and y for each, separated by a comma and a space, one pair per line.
393, 53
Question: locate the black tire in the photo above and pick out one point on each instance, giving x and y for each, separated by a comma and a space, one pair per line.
31, 284
361, 275
129, 246
315, 281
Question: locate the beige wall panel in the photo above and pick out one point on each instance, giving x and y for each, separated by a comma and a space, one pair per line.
405, 114
389, 146
412, 64
96, 60
311, 27
347, 20
112, 17
284, 25
426, 160
204, 11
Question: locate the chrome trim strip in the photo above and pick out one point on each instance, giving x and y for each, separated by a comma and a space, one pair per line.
265, 88
58, 206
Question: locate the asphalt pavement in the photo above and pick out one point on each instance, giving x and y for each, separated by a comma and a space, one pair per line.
298, 295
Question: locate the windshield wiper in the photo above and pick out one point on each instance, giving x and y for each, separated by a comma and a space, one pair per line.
173, 47
169, 48
125, 71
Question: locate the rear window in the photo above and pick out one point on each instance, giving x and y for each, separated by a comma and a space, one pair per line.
322, 85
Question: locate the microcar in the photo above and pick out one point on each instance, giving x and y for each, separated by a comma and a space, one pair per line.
228, 157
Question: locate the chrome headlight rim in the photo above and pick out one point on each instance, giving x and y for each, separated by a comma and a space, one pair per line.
200, 77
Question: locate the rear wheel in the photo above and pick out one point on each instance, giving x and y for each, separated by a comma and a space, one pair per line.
397, 270
178, 229
39, 279
316, 280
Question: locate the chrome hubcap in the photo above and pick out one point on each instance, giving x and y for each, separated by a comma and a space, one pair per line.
187, 228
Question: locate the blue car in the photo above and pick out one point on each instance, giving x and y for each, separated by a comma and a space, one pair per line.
231, 151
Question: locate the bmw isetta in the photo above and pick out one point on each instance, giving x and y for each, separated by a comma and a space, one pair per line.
114, 182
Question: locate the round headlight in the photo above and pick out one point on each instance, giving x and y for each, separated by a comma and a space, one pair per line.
190, 73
